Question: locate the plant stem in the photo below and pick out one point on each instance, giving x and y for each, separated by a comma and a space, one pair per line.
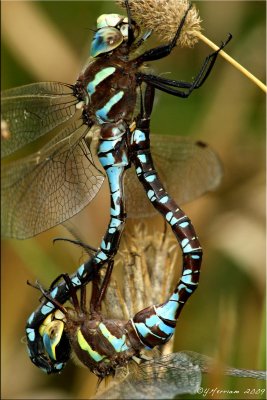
232, 61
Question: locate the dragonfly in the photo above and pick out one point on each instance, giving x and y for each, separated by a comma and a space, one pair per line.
110, 346
101, 343
58, 122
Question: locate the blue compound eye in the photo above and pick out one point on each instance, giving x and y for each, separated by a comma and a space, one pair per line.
105, 40
52, 335
55, 339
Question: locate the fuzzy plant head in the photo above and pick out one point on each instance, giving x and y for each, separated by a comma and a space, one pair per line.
163, 17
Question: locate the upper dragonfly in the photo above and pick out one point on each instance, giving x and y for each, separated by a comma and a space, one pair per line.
48, 172
57, 179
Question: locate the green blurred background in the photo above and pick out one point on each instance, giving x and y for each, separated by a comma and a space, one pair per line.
225, 318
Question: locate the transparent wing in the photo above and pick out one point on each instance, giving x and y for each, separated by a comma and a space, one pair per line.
206, 365
49, 186
29, 112
187, 169
168, 376
161, 378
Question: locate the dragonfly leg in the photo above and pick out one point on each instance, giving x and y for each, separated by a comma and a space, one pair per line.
113, 157
170, 86
130, 26
163, 51
155, 325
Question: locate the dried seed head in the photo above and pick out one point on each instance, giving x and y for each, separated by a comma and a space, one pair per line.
163, 17
149, 264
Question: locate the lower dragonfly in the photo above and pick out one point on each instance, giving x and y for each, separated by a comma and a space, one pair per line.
103, 344
49, 186
113, 346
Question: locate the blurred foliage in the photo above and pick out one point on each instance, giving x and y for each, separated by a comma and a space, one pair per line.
225, 317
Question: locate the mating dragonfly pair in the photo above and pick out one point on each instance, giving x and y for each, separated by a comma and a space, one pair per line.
55, 181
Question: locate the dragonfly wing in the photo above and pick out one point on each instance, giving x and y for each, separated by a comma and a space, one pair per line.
49, 186
161, 378
168, 376
186, 168
137, 203
29, 112
208, 365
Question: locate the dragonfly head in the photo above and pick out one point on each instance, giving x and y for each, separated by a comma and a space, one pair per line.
55, 340
112, 31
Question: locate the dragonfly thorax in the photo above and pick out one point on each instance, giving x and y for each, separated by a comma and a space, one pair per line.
102, 345
110, 86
